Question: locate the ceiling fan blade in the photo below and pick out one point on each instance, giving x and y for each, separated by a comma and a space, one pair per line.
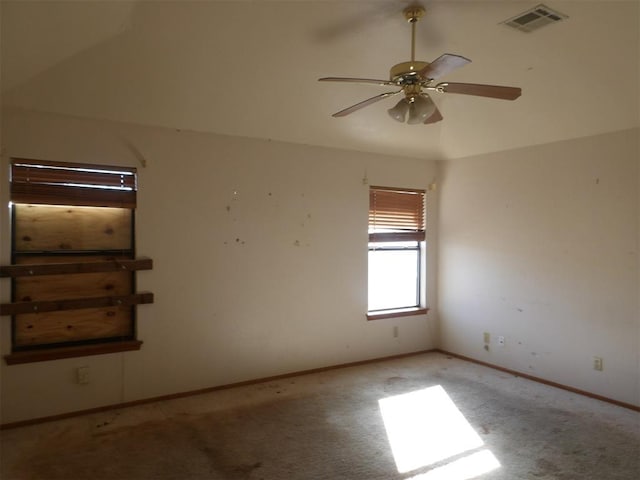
364, 103
435, 117
355, 80
442, 65
492, 91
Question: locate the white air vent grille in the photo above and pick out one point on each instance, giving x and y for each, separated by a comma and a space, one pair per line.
535, 18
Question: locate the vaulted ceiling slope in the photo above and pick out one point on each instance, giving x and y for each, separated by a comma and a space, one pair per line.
250, 68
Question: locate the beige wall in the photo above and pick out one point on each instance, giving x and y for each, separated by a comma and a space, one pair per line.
540, 245
259, 253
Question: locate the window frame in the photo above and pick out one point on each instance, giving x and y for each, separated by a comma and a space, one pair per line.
54, 184
397, 227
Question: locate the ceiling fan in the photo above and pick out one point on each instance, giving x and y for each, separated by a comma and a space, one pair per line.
416, 77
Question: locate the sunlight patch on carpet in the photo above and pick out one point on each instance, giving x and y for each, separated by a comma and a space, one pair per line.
464, 468
425, 427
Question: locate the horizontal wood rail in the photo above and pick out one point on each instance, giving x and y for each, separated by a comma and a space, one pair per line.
18, 308
27, 270
54, 353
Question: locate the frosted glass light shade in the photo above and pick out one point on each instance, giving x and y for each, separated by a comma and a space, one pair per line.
399, 112
420, 109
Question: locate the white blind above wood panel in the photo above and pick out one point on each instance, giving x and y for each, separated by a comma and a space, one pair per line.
50, 183
396, 214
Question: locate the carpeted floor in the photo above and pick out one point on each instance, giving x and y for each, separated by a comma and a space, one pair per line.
424, 417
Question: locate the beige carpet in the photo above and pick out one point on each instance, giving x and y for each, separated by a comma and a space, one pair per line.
425, 417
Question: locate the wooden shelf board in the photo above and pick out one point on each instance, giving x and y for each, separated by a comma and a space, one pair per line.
26, 270
55, 353
18, 308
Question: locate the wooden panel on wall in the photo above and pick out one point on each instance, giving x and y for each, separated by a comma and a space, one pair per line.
72, 325
87, 285
82, 285
54, 228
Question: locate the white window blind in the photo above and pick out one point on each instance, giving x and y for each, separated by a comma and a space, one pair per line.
396, 214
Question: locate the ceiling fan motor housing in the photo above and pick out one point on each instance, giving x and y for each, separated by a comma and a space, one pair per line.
407, 72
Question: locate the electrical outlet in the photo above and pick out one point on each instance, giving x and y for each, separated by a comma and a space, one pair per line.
395, 332
82, 375
487, 337
597, 363
501, 341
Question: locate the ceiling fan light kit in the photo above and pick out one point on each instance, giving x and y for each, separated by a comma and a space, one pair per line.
415, 77
399, 112
421, 109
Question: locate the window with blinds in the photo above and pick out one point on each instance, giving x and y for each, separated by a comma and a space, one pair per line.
396, 252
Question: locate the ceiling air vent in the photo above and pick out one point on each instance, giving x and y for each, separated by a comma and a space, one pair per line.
535, 18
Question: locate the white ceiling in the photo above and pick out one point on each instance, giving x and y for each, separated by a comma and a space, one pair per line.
250, 68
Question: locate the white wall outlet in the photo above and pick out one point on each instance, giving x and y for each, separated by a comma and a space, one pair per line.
501, 341
82, 375
395, 332
597, 363
487, 337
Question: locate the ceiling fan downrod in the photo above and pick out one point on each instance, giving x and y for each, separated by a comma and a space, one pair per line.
405, 72
413, 14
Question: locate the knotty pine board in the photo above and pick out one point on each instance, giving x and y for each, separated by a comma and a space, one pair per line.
52, 228
81, 285
72, 325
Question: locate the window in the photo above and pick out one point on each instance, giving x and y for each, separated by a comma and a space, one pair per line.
396, 252
72, 260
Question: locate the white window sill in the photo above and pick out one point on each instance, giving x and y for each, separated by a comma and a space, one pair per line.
399, 312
